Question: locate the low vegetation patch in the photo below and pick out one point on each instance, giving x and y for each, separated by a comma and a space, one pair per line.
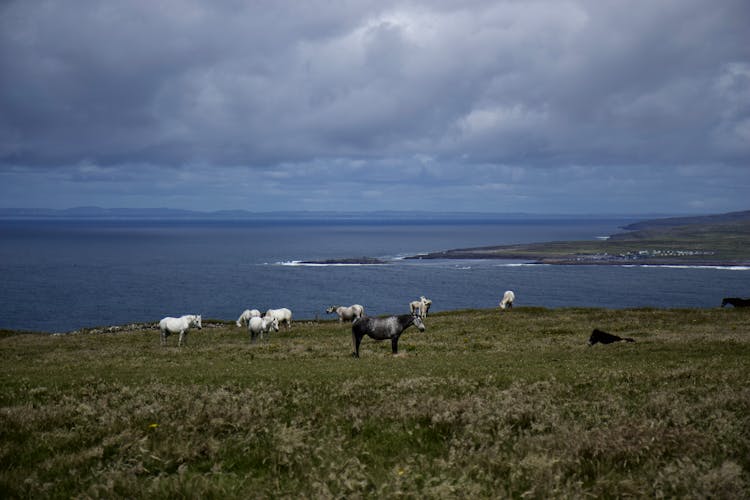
483, 404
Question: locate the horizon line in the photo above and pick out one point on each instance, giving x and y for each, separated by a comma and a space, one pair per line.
92, 210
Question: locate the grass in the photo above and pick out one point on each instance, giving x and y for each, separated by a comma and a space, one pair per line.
483, 404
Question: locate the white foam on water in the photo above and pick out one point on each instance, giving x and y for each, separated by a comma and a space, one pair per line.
299, 263
684, 266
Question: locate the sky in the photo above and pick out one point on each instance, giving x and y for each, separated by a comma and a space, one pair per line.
571, 107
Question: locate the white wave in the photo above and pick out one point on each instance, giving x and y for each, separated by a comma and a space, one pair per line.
521, 264
299, 263
684, 266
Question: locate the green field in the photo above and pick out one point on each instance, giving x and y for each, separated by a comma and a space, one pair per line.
483, 404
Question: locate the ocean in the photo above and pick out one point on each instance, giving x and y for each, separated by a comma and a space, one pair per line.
62, 275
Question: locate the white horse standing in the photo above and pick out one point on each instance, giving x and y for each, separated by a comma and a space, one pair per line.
283, 315
246, 315
258, 326
420, 307
508, 298
181, 325
354, 311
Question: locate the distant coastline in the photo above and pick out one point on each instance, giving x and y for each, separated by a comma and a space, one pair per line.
707, 240
99, 213
704, 241
583, 260
714, 240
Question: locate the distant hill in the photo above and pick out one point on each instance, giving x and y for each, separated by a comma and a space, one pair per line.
709, 228
170, 213
97, 213
684, 221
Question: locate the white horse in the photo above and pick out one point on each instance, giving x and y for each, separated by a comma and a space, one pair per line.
283, 315
508, 298
257, 325
420, 307
354, 311
180, 325
246, 315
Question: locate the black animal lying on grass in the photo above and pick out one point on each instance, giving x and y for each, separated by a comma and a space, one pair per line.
736, 302
606, 338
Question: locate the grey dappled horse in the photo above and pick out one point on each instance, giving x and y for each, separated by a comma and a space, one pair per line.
383, 328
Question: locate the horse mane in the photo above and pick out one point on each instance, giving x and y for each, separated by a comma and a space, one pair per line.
405, 319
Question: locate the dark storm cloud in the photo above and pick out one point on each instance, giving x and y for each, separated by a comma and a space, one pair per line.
376, 91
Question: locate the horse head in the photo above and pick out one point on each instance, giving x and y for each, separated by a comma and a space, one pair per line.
275, 324
417, 321
331, 309
197, 322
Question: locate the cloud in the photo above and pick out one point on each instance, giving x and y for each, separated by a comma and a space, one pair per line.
261, 89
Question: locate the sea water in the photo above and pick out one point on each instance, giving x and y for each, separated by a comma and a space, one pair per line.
61, 275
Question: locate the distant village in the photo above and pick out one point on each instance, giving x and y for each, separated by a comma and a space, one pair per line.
644, 255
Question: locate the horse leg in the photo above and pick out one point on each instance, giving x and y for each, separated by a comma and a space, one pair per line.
356, 340
394, 344
164, 335
182, 338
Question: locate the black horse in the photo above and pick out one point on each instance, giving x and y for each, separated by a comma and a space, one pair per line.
736, 302
606, 338
383, 328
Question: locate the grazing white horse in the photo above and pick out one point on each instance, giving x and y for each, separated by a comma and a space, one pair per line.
257, 325
283, 315
420, 307
354, 311
508, 298
180, 325
246, 315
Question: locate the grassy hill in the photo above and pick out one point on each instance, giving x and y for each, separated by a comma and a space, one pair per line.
710, 240
699, 220
483, 404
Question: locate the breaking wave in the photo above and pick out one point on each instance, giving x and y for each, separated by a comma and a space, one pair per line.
683, 266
